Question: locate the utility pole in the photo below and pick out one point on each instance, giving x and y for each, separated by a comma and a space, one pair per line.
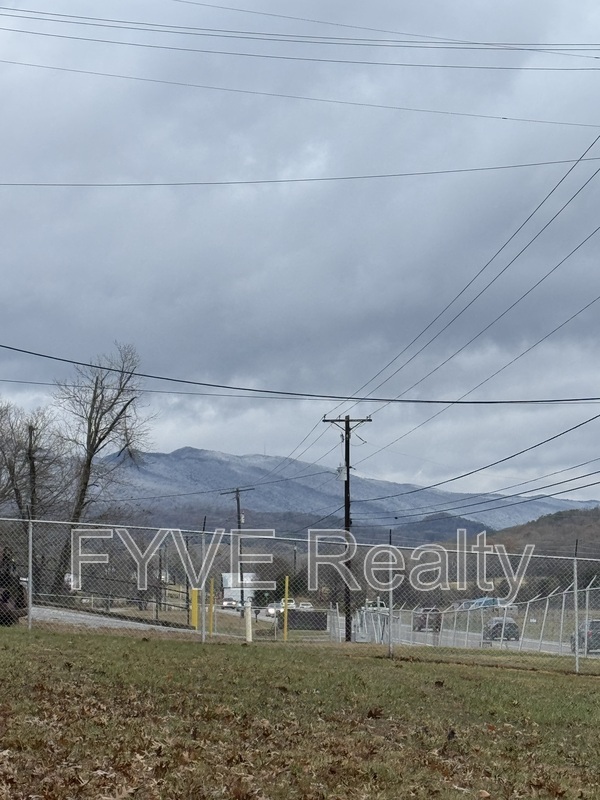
32, 472
349, 425
236, 492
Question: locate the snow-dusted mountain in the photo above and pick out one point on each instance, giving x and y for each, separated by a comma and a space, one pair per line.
181, 487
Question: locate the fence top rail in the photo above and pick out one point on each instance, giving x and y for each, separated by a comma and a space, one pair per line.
248, 533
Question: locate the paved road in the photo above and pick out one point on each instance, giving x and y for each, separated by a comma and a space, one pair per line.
62, 616
376, 630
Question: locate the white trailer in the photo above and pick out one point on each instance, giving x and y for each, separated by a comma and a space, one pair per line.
232, 585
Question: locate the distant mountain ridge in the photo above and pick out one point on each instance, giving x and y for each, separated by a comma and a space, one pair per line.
563, 533
182, 487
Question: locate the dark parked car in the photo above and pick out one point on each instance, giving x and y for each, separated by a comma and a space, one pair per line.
589, 640
13, 593
427, 619
501, 628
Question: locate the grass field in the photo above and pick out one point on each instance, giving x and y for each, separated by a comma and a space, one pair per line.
94, 716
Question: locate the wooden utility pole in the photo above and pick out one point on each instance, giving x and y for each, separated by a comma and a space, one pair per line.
236, 492
32, 473
348, 427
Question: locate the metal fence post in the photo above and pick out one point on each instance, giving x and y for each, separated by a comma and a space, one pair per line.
524, 626
482, 625
391, 609
503, 626
211, 607
454, 628
467, 628
552, 593
286, 594
30, 574
562, 618
587, 606
576, 601
203, 597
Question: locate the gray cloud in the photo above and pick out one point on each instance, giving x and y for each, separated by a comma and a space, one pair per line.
309, 286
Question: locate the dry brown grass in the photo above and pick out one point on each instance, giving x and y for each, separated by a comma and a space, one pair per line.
107, 717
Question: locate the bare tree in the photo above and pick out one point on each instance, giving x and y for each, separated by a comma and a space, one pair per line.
35, 475
34, 467
101, 415
6, 457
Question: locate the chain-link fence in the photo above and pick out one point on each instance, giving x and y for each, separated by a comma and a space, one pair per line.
473, 600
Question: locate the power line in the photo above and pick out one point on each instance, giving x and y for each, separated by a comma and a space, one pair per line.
500, 316
487, 466
473, 338
286, 459
442, 517
300, 395
188, 30
481, 383
194, 30
510, 505
216, 491
285, 463
457, 296
302, 59
485, 267
314, 524
320, 398
450, 404
176, 392
268, 181
506, 311
339, 24
452, 515
471, 496
307, 98
461, 505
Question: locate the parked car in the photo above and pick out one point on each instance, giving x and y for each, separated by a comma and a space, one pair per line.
501, 628
305, 606
465, 605
374, 605
229, 602
427, 619
589, 636
459, 605
273, 609
490, 604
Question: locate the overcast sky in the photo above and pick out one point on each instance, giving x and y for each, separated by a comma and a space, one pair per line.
311, 286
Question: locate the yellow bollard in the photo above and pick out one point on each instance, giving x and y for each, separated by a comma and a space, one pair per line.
286, 593
194, 609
